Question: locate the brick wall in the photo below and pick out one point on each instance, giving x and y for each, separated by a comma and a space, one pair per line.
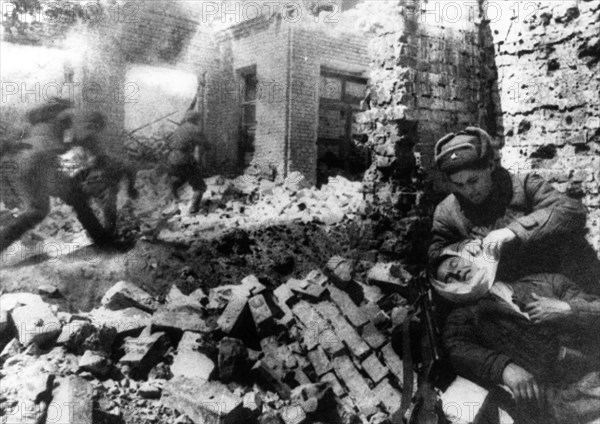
312, 49
429, 77
547, 55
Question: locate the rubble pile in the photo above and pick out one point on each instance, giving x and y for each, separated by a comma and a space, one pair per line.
315, 349
244, 202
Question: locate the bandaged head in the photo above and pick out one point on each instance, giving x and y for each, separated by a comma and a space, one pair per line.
472, 278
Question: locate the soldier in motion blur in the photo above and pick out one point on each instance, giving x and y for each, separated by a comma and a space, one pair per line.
188, 145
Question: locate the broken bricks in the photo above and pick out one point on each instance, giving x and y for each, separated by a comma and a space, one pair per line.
261, 313
33, 318
340, 270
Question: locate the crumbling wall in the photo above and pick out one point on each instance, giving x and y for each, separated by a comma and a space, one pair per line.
427, 79
547, 55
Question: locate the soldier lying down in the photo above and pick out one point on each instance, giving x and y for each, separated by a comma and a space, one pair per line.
534, 335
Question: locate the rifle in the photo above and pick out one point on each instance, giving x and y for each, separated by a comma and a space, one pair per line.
426, 407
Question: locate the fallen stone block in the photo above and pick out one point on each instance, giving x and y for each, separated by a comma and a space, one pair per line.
261, 313
374, 369
389, 396
343, 330
181, 317
319, 361
340, 270
389, 276
125, 295
306, 288
333, 381
199, 296
234, 314
393, 362
144, 351
126, 321
189, 362
233, 359
355, 315
34, 320
95, 363
356, 384
72, 401
372, 336
207, 402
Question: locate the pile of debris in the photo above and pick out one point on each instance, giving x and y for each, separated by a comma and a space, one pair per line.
244, 202
316, 349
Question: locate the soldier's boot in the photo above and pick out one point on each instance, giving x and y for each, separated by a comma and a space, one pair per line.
195, 203
23, 222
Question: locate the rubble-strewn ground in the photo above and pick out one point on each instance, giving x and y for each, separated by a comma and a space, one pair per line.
131, 360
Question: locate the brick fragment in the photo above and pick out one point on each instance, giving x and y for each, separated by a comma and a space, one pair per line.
208, 402
144, 351
182, 317
252, 285
231, 318
356, 384
319, 361
343, 330
306, 288
390, 276
261, 313
355, 315
372, 336
389, 396
374, 368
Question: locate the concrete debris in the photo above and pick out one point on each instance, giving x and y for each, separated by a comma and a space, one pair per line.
235, 313
189, 362
125, 294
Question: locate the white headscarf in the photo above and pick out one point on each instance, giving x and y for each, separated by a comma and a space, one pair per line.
478, 285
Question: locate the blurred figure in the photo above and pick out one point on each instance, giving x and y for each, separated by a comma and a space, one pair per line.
188, 146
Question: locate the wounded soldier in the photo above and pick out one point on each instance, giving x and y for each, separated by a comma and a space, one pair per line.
535, 335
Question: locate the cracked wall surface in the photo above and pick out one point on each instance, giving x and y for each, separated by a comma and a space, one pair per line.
547, 56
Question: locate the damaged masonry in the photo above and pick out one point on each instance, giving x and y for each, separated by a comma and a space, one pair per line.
280, 278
